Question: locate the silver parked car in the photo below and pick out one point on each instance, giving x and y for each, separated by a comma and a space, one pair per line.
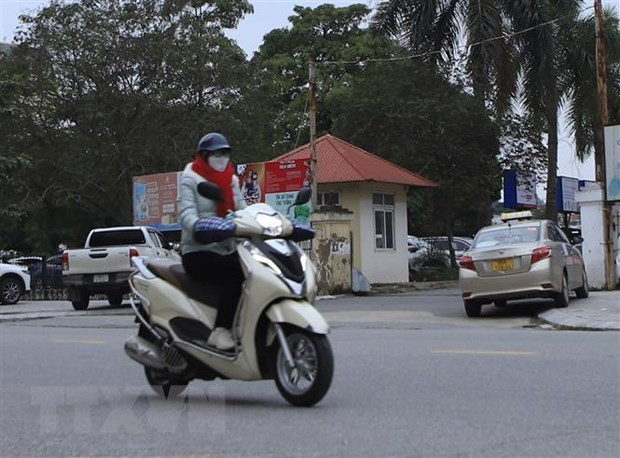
521, 259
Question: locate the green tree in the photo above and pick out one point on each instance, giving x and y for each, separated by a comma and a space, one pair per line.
434, 28
115, 89
579, 80
426, 125
533, 54
328, 34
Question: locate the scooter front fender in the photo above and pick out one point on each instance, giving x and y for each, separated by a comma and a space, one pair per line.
298, 313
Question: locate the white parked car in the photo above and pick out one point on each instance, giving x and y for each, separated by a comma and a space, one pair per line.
14, 283
459, 244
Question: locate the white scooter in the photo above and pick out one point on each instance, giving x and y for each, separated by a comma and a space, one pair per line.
279, 333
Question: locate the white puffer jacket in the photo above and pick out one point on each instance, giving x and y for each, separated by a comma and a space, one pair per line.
192, 206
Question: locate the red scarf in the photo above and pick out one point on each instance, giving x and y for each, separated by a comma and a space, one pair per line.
222, 179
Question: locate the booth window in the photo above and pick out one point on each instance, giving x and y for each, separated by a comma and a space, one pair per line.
383, 206
328, 199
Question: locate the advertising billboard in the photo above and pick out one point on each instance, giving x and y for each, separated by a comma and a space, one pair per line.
519, 191
612, 162
155, 201
276, 183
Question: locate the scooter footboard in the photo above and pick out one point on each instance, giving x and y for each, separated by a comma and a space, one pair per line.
298, 313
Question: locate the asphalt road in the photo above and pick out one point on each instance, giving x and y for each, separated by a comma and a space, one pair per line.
414, 377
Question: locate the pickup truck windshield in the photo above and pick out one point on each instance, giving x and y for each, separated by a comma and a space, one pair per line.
115, 238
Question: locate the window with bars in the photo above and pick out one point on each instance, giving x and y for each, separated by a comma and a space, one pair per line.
383, 206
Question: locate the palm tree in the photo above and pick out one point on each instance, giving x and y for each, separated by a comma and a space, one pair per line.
429, 25
437, 28
579, 84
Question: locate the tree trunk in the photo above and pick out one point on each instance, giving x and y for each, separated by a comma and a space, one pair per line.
551, 207
599, 142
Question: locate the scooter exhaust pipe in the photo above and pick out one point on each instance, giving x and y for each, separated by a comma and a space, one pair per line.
144, 352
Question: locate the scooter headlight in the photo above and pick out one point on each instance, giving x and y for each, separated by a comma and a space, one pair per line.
271, 224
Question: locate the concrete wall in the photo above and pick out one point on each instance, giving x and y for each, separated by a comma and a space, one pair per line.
591, 207
332, 251
379, 266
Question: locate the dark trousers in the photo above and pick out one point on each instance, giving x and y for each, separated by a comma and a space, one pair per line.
222, 271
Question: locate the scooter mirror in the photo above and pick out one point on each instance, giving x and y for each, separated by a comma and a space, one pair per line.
209, 190
303, 196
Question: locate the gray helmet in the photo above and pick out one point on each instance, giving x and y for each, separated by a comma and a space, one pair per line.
212, 142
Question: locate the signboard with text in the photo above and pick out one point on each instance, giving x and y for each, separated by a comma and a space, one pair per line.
155, 201
612, 162
276, 183
519, 191
566, 189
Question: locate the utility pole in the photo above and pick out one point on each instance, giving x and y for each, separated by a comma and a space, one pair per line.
312, 113
600, 158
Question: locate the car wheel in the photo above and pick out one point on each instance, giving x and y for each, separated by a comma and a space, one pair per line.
82, 302
562, 298
11, 290
500, 303
584, 290
472, 309
115, 299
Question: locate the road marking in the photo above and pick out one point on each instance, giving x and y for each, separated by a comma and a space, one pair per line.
485, 352
89, 342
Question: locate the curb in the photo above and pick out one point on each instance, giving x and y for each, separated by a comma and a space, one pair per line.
565, 320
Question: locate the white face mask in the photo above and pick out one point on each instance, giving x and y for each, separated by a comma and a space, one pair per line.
218, 163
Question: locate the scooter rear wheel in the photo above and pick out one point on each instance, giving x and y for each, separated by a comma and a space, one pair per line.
307, 382
161, 381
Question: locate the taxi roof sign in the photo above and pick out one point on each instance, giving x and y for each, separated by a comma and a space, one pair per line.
515, 216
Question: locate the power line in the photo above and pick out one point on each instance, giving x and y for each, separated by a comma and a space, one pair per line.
430, 53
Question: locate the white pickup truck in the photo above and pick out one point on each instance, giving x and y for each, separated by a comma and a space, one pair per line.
104, 264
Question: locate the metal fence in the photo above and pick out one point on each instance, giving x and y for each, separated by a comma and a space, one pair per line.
45, 276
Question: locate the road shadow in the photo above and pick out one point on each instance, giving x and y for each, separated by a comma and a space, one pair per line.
516, 309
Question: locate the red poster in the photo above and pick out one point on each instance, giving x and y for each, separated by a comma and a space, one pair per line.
286, 176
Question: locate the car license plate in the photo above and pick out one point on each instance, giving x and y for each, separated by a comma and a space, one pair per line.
100, 278
502, 265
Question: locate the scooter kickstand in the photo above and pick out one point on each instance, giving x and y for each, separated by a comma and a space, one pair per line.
284, 345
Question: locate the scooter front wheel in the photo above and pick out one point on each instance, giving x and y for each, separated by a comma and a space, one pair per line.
308, 380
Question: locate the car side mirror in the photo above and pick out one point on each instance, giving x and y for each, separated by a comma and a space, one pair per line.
577, 240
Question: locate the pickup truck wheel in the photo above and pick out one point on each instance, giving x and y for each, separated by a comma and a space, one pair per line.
115, 299
82, 302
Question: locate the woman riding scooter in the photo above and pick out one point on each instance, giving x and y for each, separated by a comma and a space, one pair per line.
215, 263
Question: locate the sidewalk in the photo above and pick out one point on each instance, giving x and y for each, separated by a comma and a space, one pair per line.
600, 311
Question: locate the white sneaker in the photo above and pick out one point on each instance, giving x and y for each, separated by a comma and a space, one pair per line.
222, 339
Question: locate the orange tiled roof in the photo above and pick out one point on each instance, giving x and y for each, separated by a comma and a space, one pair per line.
340, 162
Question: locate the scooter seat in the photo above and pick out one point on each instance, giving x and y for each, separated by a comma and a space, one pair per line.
174, 273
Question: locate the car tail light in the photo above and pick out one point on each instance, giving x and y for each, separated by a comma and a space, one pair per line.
540, 253
466, 262
65, 261
132, 252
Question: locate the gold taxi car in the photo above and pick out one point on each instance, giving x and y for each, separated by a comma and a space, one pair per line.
518, 259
